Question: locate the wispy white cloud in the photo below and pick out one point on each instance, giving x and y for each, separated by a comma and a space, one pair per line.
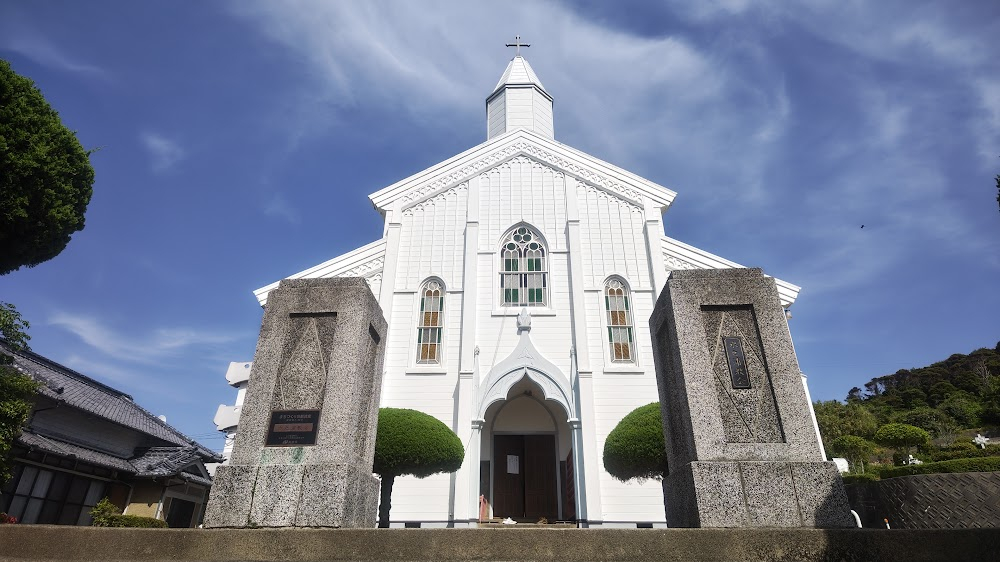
41, 50
104, 371
279, 207
163, 152
157, 344
719, 117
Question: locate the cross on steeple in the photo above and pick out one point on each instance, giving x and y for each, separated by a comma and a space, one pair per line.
517, 43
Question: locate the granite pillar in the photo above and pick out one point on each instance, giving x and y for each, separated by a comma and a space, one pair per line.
306, 440
741, 446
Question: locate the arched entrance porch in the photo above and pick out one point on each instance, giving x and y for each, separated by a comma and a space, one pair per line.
542, 402
527, 466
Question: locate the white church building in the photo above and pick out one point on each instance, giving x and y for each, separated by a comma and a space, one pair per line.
517, 279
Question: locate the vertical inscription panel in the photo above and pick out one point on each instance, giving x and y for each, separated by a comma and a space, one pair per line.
742, 382
737, 362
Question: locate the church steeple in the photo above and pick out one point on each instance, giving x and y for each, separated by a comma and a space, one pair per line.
519, 100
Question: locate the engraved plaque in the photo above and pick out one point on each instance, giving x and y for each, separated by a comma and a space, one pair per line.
292, 428
737, 362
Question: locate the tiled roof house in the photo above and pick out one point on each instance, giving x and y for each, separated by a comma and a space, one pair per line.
86, 440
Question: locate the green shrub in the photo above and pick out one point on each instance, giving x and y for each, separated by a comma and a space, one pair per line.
960, 450
934, 422
855, 449
635, 447
985, 464
411, 442
106, 514
901, 436
859, 478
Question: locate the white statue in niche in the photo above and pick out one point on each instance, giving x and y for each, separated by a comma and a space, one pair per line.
980, 440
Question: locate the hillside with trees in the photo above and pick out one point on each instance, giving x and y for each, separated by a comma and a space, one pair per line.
929, 412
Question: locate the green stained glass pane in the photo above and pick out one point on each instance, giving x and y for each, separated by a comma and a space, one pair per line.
531, 265
539, 291
438, 336
626, 303
513, 295
611, 337
630, 335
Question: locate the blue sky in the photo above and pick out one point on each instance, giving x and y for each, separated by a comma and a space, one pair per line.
238, 142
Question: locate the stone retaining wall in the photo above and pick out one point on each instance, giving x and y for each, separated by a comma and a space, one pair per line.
929, 501
44, 542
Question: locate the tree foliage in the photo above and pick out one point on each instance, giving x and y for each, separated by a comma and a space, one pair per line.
13, 329
17, 391
901, 436
837, 419
412, 442
855, 449
635, 447
45, 176
17, 394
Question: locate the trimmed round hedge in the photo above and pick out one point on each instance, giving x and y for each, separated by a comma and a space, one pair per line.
412, 442
635, 447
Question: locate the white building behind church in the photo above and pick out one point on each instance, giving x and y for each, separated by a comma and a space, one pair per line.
517, 279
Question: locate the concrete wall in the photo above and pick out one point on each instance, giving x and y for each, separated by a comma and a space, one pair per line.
929, 501
42, 542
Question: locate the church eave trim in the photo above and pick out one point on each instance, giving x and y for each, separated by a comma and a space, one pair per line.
678, 255
362, 262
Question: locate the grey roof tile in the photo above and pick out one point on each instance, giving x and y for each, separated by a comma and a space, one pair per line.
63, 384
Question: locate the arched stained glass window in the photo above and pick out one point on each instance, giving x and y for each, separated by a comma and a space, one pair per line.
430, 323
620, 333
523, 269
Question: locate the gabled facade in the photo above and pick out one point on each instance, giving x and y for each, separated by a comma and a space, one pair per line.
517, 279
85, 441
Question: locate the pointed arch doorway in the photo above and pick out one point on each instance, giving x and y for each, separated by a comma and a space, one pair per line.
530, 465
528, 397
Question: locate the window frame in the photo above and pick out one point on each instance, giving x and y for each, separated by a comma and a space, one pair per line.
423, 328
619, 322
523, 247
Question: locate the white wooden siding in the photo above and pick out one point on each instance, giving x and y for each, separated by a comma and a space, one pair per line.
431, 240
522, 189
611, 233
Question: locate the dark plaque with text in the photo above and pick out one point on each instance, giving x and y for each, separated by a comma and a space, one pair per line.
737, 362
292, 428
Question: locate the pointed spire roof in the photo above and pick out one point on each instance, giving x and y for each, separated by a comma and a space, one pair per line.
519, 102
519, 72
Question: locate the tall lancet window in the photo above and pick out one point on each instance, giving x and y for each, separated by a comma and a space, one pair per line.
620, 334
431, 323
523, 269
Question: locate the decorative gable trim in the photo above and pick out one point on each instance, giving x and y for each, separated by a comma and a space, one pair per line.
522, 142
367, 261
678, 255
432, 200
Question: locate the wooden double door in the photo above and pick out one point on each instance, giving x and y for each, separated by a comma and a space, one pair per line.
524, 482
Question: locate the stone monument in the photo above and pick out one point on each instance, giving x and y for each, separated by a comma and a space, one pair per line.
742, 450
306, 442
